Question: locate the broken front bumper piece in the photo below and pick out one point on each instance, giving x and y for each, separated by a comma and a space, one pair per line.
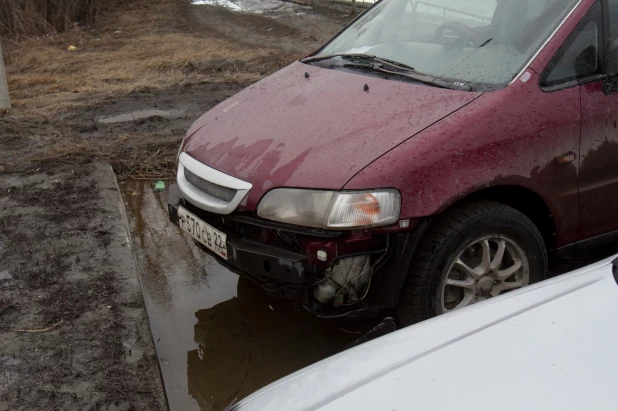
245, 255
333, 273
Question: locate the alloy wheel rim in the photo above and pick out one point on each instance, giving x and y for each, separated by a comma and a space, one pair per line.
487, 267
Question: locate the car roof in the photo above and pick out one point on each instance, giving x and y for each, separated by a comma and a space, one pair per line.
547, 346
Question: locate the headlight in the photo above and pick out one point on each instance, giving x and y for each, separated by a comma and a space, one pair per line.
364, 209
329, 209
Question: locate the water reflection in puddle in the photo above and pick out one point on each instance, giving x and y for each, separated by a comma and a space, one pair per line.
256, 6
218, 337
138, 115
223, 3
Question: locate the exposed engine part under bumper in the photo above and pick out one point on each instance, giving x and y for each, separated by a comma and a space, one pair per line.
362, 272
351, 273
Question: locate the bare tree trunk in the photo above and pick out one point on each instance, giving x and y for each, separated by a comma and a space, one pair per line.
5, 102
312, 3
353, 6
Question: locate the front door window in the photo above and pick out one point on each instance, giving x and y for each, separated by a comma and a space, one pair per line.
581, 55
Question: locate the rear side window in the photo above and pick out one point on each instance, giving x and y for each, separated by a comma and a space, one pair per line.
581, 54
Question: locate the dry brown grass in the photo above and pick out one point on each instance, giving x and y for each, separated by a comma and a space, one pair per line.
27, 18
47, 82
47, 77
43, 74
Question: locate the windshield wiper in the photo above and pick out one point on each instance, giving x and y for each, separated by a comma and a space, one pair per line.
395, 68
360, 56
419, 77
330, 56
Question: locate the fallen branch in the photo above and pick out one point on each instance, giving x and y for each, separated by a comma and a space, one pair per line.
39, 331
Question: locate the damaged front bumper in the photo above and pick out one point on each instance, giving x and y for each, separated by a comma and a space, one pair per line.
331, 273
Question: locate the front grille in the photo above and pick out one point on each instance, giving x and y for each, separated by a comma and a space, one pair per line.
212, 189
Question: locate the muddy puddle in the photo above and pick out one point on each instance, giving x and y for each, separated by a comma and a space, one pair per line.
271, 8
217, 336
139, 115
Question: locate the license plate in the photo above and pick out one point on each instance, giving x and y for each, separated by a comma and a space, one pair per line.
203, 232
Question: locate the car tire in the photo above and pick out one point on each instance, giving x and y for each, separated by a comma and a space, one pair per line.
442, 256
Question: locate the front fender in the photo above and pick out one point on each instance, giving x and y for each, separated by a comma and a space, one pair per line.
507, 137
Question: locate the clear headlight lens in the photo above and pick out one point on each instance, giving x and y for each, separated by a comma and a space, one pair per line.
329, 209
301, 207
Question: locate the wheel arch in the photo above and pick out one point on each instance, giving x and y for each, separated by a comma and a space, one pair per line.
520, 198
524, 200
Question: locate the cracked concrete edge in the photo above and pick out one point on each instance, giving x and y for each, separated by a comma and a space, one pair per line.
130, 244
5, 101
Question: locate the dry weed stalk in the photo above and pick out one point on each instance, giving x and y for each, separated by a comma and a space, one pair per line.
28, 18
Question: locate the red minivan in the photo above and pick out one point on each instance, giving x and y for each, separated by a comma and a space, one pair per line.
432, 155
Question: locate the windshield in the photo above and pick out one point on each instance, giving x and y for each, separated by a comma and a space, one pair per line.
474, 42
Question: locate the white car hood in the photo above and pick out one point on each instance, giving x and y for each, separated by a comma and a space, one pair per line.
550, 346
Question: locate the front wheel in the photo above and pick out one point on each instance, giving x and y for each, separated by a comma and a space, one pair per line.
471, 253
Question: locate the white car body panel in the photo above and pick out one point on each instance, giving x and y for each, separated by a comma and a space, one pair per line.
550, 346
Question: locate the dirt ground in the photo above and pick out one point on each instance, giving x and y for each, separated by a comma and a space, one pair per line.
125, 97
73, 330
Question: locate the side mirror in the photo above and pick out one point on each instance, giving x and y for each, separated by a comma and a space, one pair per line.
610, 86
612, 61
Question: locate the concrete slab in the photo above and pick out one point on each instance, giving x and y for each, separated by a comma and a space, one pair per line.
67, 272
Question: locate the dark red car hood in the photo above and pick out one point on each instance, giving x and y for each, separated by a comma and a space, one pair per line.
315, 132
